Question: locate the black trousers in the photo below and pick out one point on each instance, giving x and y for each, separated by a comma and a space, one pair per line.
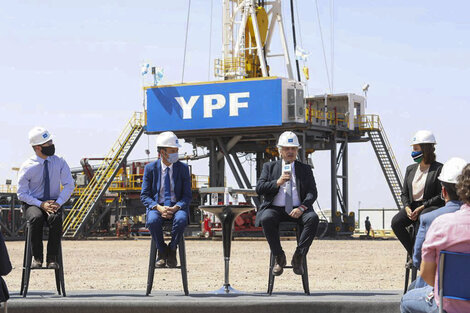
271, 218
400, 221
37, 217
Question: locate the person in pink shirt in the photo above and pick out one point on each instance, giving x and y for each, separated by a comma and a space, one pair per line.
449, 232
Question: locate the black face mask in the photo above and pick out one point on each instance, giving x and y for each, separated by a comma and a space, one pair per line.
49, 150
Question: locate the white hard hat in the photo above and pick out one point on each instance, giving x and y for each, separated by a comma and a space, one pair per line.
168, 139
288, 139
451, 170
423, 136
38, 136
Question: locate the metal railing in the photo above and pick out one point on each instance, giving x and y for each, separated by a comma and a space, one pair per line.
371, 122
8, 189
332, 118
105, 173
230, 66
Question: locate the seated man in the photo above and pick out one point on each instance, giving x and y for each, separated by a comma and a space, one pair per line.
447, 232
448, 177
166, 193
289, 190
39, 183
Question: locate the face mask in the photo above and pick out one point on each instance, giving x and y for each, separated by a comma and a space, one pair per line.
172, 157
49, 150
417, 156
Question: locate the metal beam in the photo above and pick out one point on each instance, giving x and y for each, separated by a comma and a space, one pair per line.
230, 144
230, 163
256, 200
345, 178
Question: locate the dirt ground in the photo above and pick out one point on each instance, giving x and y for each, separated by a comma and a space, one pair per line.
122, 265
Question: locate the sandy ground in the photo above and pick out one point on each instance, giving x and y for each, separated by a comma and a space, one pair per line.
122, 265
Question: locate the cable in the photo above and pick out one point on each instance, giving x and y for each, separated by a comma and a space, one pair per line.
323, 46
210, 45
186, 41
332, 62
294, 38
301, 41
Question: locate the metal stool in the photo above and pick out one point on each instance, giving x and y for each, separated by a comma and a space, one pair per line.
28, 256
298, 231
413, 231
167, 225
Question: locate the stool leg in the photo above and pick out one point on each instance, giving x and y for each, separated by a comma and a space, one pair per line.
271, 276
57, 281
29, 257
61, 270
407, 277
23, 275
184, 274
305, 277
151, 272
414, 273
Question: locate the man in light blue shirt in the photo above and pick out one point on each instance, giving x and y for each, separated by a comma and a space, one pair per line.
39, 182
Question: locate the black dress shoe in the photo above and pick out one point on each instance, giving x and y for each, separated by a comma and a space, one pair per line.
279, 263
162, 257
52, 262
298, 263
171, 261
36, 263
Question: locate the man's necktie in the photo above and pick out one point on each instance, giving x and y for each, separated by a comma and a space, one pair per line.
289, 206
167, 188
47, 186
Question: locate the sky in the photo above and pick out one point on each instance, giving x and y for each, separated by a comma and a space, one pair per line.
74, 68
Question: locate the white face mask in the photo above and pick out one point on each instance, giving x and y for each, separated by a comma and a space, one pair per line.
172, 157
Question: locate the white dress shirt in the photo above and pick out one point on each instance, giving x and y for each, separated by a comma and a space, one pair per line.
31, 180
280, 198
161, 194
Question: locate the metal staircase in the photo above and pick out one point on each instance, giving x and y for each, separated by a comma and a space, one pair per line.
373, 127
82, 209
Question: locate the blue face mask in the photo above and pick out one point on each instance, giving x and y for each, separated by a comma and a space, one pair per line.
172, 157
417, 156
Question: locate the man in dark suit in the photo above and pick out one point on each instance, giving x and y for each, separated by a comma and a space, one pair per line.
289, 190
166, 193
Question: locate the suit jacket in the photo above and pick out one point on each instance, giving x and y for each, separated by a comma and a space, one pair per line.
5, 268
432, 187
267, 185
152, 182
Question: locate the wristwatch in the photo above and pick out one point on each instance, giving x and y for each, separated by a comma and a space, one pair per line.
302, 208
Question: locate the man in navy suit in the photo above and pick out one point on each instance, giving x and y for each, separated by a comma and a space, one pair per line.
289, 190
166, 193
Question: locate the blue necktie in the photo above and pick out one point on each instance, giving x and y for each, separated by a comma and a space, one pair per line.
167, 188
47, 187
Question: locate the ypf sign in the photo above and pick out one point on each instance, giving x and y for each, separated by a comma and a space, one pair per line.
237, 104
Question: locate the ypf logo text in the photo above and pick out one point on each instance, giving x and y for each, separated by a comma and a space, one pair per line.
213, 102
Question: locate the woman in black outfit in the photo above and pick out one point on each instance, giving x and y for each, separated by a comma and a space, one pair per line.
421, 189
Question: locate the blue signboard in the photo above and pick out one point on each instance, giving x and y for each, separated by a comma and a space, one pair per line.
215, 105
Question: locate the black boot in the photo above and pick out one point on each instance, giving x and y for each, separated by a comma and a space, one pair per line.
298, 263
171, 261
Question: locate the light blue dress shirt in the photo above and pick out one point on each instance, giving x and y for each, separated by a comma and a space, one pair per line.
425, 222
31, 180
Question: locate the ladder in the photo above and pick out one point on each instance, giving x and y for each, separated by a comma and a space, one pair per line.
371, 125
89, 199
